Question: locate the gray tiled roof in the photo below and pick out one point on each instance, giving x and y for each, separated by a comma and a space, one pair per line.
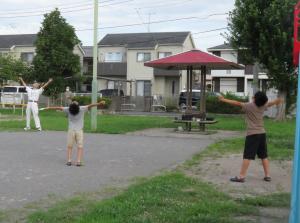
7, 41
221, 47
144, 40
88, 50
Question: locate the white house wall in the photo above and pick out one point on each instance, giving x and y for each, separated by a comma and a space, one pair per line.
231, 56
228, 85
103, 50
159, 86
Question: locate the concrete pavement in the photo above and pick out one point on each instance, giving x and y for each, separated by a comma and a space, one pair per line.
33, 163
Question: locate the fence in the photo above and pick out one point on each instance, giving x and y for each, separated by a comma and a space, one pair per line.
119, 103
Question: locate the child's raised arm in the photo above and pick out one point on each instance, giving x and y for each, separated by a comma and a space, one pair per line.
45, 85
54, 108
96, 104
231, 102
277, 101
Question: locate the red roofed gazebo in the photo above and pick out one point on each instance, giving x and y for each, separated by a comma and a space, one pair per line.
194, 60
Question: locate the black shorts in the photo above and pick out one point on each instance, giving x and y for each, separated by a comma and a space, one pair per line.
255, 145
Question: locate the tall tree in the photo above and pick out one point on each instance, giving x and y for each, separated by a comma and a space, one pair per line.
11, 68
54, 53
264, 29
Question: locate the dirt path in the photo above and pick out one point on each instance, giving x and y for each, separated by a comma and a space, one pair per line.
219, 170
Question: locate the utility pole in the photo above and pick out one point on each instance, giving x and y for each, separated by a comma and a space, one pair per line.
95, 62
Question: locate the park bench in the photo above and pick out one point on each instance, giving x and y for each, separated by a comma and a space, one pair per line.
200, 123
155, 108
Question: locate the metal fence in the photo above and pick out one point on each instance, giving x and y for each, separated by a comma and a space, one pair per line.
119, 103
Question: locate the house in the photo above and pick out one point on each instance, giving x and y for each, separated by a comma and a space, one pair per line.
21, 46
121, 60
235, 81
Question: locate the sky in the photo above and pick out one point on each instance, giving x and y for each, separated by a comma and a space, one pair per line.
197, 16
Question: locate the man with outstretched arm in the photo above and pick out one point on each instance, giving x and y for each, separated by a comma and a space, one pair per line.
255, 142
32, 104
75, 115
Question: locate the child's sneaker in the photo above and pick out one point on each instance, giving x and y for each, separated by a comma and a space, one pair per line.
26, 128
237, 179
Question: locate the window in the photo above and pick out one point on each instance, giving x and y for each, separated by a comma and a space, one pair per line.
143, 57
240, 84
217, 53
173, 87
113, 57
10, 89
163, 54
143, 88
110, 85
27, 57
22, 90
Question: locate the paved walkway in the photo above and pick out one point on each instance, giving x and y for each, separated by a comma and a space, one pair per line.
33, 163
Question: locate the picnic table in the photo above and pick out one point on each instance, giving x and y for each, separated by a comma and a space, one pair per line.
201, 123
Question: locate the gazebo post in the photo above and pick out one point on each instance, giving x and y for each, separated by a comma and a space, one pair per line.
187, 90
203, 98
191, 89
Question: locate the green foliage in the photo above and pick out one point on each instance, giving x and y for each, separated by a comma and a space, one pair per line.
54, 54
264, 29
85, 100
213, 104
11, 68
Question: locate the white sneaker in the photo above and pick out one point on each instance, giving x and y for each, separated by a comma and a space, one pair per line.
26, 128
39, 129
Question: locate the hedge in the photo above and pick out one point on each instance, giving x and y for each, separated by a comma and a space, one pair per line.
213, 105
85, 100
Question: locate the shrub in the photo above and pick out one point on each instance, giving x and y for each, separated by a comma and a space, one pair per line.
213, 105
85, 100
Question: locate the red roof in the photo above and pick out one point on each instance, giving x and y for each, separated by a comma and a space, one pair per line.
194, 58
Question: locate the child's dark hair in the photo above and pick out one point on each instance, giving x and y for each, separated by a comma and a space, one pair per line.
260, 98
74, 108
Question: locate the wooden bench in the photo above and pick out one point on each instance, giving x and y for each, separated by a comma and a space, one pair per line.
201, 123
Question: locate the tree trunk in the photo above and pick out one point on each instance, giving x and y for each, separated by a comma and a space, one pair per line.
281, 112
255, 78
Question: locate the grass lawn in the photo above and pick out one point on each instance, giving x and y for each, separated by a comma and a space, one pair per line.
112, 124
171, 198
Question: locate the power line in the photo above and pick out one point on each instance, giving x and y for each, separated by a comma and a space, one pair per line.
154, 22
75, 10
37, 10
212, 30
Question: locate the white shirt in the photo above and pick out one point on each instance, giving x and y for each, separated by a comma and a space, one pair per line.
34, 94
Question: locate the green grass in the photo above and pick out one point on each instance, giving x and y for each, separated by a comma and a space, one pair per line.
273, 200
170, 198
113, 124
